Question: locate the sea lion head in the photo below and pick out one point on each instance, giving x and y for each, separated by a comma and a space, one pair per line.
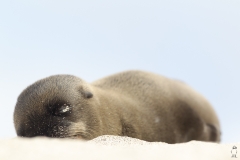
58, 106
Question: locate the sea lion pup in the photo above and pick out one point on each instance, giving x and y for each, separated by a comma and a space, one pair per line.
137, 104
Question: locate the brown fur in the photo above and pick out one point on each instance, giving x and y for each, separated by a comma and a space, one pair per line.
134, 103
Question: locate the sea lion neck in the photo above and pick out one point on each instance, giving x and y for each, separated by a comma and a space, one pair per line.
111, 107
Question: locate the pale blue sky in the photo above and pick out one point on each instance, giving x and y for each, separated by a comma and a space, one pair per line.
195, 41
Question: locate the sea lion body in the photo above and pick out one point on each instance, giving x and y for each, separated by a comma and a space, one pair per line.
137, 104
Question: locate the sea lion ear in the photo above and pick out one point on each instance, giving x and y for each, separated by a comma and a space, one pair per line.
87, 94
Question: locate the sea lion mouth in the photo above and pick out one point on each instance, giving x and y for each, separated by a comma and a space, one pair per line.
75, 137
78, 130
